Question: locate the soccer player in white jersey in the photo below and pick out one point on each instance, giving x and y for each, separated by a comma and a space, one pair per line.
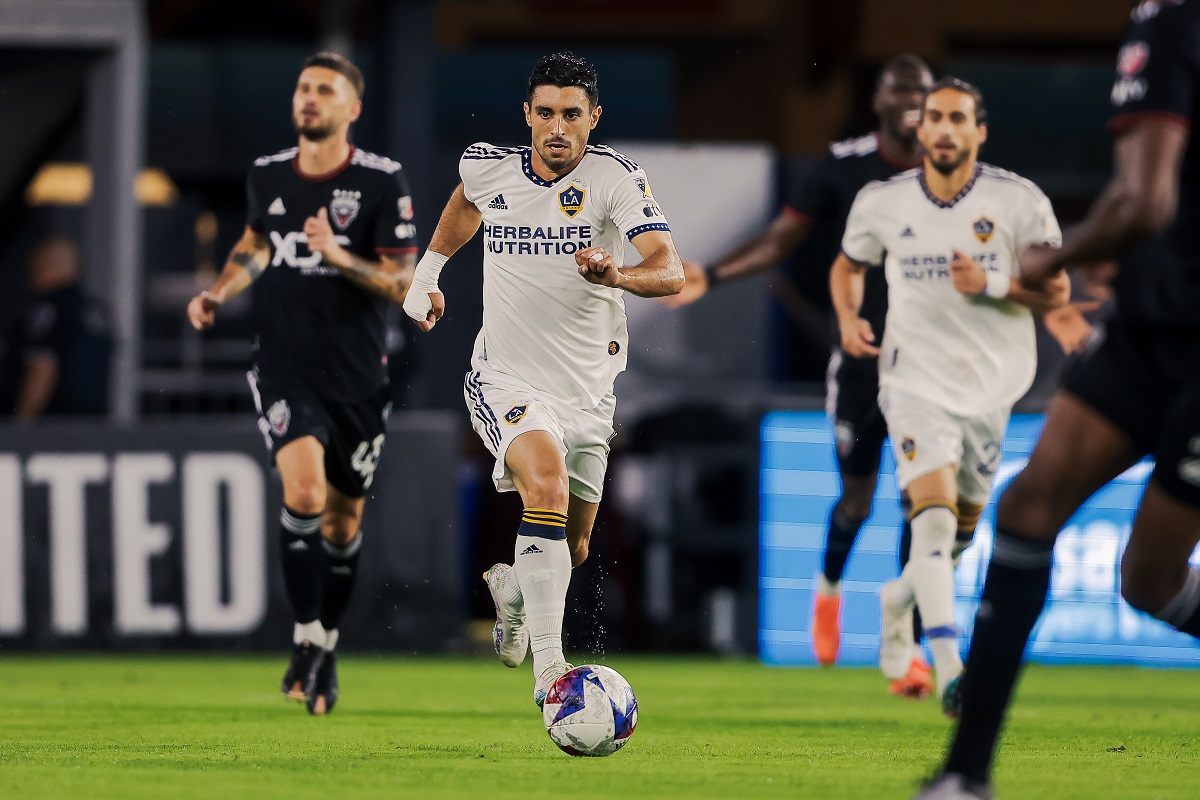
540, 390
958, 350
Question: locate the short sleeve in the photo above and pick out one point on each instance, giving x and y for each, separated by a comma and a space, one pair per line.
470, 169
253, 212
395, 231
1040, 226
860, 242
810, 197
632, 205
1156, 68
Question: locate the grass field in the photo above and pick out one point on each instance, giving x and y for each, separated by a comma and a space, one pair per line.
214, 726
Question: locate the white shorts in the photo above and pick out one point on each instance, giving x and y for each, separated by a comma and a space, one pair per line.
925, 437
501, 410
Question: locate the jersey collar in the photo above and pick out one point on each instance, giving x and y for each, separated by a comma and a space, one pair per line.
333, 173
953, 200
527, 168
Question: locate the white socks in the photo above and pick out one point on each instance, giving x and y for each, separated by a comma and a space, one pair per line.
930, 576
543, 570
312, 632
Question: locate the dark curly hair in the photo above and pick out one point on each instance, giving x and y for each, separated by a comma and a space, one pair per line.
564, 69
959, 85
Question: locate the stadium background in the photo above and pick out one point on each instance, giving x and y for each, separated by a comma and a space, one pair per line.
145, 528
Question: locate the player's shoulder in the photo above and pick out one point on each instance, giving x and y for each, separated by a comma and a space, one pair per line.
373, 162
855, 147
275, 159
609, 160
900, 182
1006, 180
485, 151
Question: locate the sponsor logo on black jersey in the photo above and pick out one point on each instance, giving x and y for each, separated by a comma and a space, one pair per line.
344, 206
404, 205
570, 200
908, 447
984, 228
516, 413
614, 347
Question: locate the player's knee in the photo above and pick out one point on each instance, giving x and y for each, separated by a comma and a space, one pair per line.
1033, 508
546, 489
854, 509
1142, 581
305, 496
340, 530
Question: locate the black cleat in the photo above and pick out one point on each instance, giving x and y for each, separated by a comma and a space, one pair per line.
324, 695
301, 675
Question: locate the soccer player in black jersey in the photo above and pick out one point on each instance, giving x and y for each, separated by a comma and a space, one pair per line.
1137, 395
329, 242
823, 201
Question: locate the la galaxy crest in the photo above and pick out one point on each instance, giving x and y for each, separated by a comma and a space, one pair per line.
614, 347
984, 228
344, 207
516, 413
570, 200
908, 447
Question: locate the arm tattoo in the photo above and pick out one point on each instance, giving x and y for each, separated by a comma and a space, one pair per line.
367, 274
248, 261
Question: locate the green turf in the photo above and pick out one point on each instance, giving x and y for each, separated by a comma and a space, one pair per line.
215, 727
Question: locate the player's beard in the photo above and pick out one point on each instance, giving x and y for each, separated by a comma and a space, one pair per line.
556, 163
947, 168
313, 133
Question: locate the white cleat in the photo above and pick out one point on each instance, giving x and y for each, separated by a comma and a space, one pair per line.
896, 631
509, 635
954, 787
541, 687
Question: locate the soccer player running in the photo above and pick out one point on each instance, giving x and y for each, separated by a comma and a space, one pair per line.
328, 244
1138, 395
822, 201
540, 389
958, 349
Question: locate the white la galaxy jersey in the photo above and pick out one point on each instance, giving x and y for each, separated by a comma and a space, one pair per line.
970, 355
543, 323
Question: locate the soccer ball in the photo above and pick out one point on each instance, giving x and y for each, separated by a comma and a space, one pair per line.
590, 711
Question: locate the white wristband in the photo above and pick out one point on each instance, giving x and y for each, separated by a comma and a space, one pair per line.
998, 285
425, 280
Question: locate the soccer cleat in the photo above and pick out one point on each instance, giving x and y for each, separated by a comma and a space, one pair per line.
917, 683
324, 695
896, 632
952, 697
826, 627
951, 786
301, 674
547, 678
509, 634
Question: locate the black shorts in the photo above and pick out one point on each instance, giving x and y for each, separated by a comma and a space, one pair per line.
1146, 381
852, 402
351, 433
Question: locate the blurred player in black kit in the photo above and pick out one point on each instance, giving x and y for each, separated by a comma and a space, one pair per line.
823, 201
1137, 395
330, 241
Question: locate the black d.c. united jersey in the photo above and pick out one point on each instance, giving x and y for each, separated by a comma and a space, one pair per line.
823, 200
313, 325
1158, 77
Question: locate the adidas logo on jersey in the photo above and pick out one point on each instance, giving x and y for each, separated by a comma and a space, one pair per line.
276, 208
532, 550
498, 203
907, 233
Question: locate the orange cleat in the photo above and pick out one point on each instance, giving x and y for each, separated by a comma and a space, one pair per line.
827, 628
916, 684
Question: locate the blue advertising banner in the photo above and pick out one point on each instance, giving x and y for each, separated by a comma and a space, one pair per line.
1085, 622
